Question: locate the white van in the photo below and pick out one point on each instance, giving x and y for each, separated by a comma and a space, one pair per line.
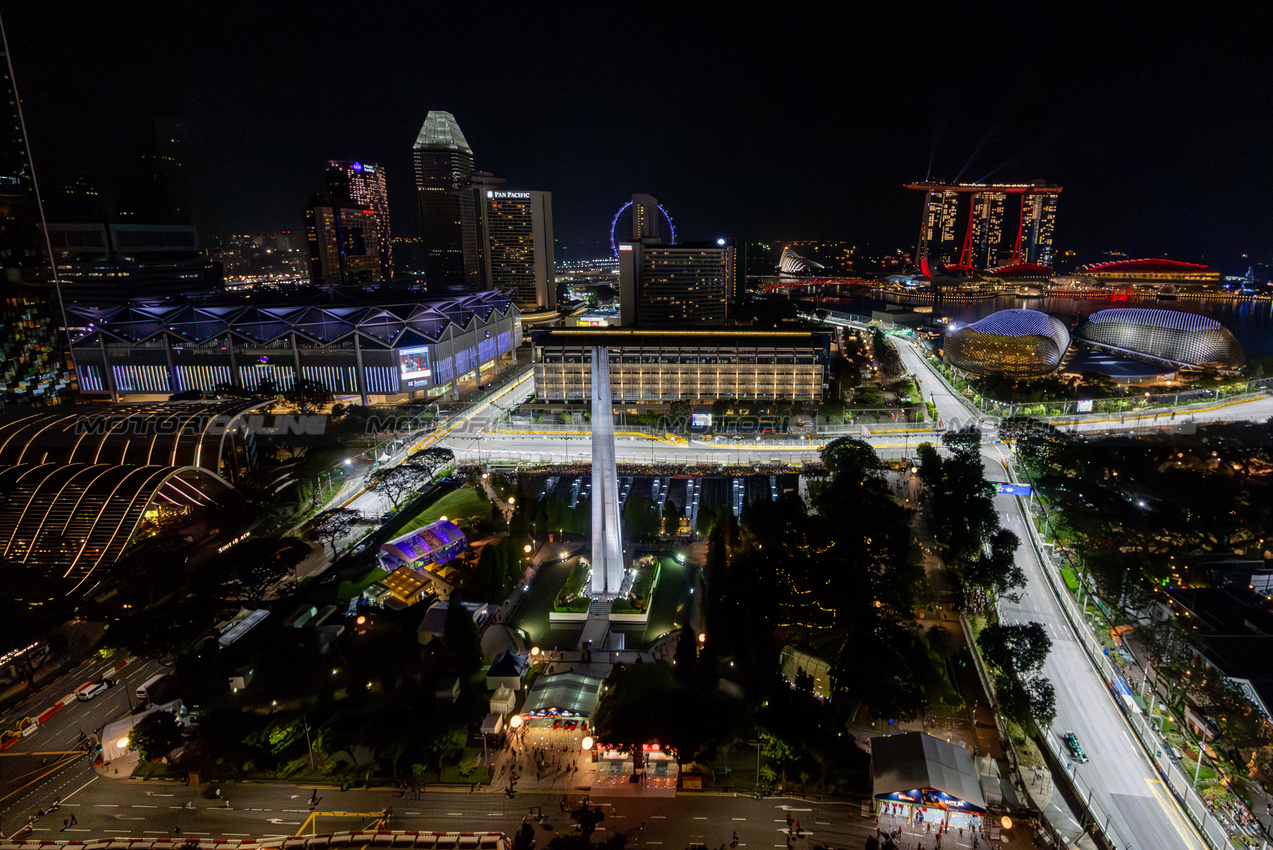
88, 690
147, 687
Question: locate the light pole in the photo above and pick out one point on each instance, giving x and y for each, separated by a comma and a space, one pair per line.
308, 744
1197, 771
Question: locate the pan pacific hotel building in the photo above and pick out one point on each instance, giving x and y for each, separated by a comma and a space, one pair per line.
374, 353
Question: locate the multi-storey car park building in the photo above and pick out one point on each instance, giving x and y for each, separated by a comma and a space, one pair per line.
1172, 337
377, 352
1017, 343
659, 367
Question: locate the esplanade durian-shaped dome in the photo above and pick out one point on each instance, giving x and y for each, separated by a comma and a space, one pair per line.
1017, 343
1170, 336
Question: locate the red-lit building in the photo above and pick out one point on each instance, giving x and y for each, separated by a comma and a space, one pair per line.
999, 225
1155, 272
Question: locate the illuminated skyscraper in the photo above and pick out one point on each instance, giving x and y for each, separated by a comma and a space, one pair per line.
1039, 220
987, 219
32, 355
19, 238
516, 245
362, 185
448, 213
342, 243
664, 286
645, 217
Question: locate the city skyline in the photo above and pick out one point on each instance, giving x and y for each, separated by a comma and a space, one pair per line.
1158, 153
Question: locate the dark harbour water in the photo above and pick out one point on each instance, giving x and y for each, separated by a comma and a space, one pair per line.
1250, 321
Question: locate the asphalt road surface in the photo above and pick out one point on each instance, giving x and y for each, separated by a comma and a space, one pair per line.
46, 764
115, 808
1124, 783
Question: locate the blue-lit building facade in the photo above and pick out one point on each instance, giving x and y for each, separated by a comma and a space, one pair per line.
381, 353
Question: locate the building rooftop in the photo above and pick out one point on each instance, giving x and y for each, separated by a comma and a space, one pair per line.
916, 761
1142, 265
319, 319
1177, 320
171, 433
440, 130
626, 336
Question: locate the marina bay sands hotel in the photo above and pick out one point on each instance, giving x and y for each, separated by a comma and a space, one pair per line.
987, 219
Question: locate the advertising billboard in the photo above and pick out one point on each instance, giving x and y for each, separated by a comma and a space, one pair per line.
414, 362
700, 420
1014, 489
1084, 406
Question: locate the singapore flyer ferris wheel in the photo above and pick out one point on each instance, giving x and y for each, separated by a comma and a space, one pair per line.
614, 223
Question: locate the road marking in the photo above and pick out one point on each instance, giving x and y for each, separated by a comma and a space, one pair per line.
455, 814
155, 831
238, 833
198, 833
657, 817
140, 806
106, 805
74, 829
700, 817
125, 831
1177, 823
738, 818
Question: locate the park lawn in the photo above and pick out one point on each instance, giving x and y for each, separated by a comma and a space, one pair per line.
640, 592
349, 588
568, 599
459, 504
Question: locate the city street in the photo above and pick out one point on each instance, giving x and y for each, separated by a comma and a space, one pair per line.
106, 808
46, 765
1123, 781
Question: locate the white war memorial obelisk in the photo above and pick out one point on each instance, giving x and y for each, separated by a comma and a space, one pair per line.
607, 539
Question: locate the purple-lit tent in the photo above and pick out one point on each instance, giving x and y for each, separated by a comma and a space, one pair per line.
436, 543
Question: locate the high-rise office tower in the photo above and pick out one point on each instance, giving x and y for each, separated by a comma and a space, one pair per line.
20, 250
362, 185
342, 241
516, 244
157, 189
448, 214
32, 354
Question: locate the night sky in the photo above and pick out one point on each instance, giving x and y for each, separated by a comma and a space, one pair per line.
773, 124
